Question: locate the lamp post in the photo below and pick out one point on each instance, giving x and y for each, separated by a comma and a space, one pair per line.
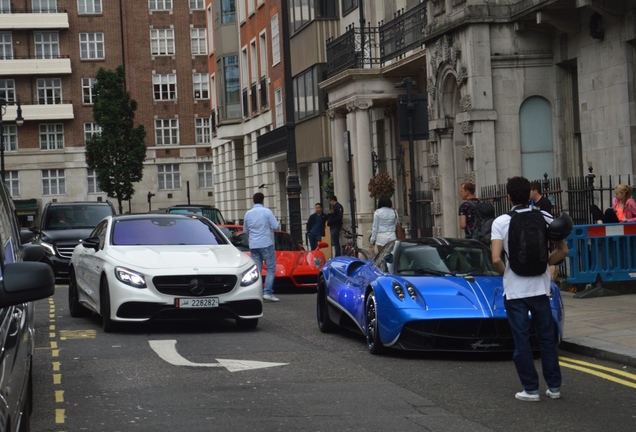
18, 121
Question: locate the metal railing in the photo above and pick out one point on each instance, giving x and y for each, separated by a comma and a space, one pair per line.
403, 33
246, 106
254, 98
264, 88
355, 49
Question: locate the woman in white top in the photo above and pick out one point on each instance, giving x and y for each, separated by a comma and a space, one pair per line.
384, 220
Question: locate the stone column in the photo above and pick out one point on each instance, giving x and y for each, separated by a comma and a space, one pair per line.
448, 190
363, 163
340, 174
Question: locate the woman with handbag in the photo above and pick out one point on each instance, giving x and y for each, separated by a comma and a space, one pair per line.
385, 220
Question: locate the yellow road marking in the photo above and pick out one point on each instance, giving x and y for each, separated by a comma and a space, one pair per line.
55, 353
59, 416
53, 345
56, 366
57, 378
59, 396
77, 334
565, 362
52, 327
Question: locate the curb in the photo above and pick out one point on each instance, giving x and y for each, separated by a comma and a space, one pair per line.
576, 346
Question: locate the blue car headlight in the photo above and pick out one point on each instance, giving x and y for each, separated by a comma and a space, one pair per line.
129, 277
400, 291
250, 276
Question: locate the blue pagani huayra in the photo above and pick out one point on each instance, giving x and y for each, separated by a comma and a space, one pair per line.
432, 294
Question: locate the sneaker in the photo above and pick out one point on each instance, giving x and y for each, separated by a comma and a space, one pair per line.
270, 297
553, 394
527, 397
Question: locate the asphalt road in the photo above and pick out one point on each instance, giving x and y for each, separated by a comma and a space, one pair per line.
287, 376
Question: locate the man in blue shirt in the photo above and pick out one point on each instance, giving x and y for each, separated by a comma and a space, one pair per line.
335, 224
316, 226
258, 225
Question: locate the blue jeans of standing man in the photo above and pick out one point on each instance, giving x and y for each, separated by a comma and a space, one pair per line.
517, 311
313, 240
267, 255
335, 240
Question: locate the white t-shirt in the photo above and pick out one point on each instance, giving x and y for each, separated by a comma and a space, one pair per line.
516, 286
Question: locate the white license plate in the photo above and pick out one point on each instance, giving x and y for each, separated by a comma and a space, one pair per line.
196, 303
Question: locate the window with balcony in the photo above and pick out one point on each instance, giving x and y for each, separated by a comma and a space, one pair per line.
200, 86
197, 41
53, 182
167, 131
206, 175
164, 87
162, 42
275, 40
10, 136
89, 6
197, 4
44, 6
51, 136
93, 184
47, 45
12, 180
7, 89
6, 46
91, 46
202, 130
49, 91
169, 177
87, 90
160, 5
306, 94
91, 130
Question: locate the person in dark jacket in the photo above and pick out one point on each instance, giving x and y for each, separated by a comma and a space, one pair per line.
335, 223
537, 199
316, 226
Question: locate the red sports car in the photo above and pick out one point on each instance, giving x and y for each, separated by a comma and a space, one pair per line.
296, 267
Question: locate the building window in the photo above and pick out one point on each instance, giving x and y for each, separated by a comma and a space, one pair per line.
53, 182
165, 86
202, 130
306, 94
250, 7
197, 4
93, 185
44, 6
197, 41
262, 44
5, 6
200, 85
91, 130
47, 45
166, 131
12, 181
275, 41
10, 136
49, 91
348, 6
160, 5
89, 6
253, 62
169, 176
51, 136
206, 179
278, 106
228, 11
162, 42
300, 13
232, 81
7, 90
91, 46
6, 46
87, 90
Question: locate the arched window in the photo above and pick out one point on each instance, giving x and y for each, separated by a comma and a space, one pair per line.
535, 126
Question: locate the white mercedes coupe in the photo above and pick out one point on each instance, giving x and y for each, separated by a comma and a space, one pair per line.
135, 268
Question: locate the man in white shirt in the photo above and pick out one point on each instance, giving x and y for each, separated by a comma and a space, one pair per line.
258, 225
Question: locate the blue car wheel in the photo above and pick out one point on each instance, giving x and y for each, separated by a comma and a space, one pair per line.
372, 329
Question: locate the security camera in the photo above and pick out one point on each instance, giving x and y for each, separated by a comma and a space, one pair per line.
262, 186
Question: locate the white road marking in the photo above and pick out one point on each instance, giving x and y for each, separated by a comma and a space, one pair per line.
166, 349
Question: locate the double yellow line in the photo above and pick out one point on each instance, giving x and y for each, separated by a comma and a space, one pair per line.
604, 372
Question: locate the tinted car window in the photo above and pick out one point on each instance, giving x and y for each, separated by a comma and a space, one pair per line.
76, 216
165, 231
211, 213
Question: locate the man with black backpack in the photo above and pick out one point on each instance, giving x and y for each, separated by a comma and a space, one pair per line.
523, 235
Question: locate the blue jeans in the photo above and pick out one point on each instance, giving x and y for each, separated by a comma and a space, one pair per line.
268, 255
313, 240
335, 240
539, 307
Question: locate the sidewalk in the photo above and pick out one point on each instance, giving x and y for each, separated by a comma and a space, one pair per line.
601, 327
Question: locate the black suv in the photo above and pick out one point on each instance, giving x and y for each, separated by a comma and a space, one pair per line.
20, 284
212, 213
63, 225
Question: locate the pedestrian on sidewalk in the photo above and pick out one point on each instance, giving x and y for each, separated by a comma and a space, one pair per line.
525, 294
335, 224
258, 225
316, 226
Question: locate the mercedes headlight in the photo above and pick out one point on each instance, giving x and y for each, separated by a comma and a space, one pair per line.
48, 247
129, 277
250, 276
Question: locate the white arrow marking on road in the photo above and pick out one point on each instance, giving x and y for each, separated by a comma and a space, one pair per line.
166, 349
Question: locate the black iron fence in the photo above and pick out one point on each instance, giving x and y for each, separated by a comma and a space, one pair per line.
354, 49
403, 33
498, 197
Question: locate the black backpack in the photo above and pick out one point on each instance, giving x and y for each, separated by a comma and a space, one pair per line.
528, 242
484, 216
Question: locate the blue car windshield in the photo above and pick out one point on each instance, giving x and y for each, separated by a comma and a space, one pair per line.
165, 231
438, 260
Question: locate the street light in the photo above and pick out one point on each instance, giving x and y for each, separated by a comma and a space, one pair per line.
19, 120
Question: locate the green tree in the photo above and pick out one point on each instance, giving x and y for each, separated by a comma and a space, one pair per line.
118, 153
